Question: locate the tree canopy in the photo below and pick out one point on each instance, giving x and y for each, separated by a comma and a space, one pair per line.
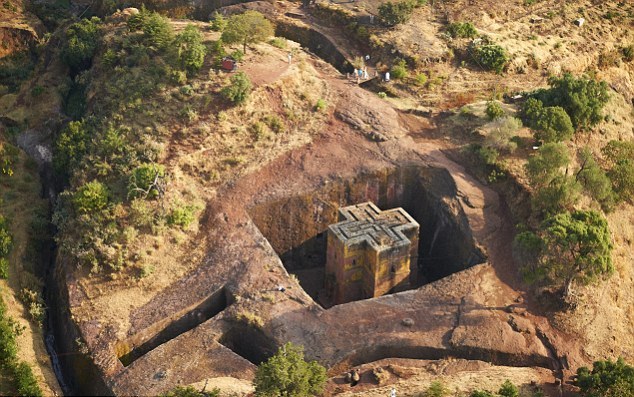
543, 167
394, 13
582, 98
82, 39
286, 374
619, 156
190, 48
248, 28
607, 379
577, 247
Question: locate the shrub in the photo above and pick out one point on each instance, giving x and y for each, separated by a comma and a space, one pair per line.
508, 389
628, 53
481, 393
4, 268
82, 39
287, 374
70, 147
436, 389
26, 381
607, 379
190, 49
182, 216
462, 30
501, 134
189, 391
421, 79
399, 71
494, 110
218, 22
157, 31
489, 56
91, 198
5, 238
145, 181
279, 42
394, 13
248, 28
239, 89
321, 105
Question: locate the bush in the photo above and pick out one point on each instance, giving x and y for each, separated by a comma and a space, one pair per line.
436, 389
190, 49
501, 134
321, 105
157, 30
287, 374
394, 13
399, 71
26, 381
489, 56
145, 181
239, 89
91, 198
607, 379
218, 22
494, 110
628, 53
189, 391
560, 194
182, 216
462, 30
82, 39
4, 268
508, 389
5, 238
70, 147
421, 79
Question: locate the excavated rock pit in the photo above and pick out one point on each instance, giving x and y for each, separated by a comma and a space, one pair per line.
295, 226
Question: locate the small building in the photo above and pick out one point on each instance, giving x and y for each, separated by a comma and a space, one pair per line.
370, 253
229, 64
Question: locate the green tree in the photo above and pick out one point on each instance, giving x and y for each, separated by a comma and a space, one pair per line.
553, 125
26, 381
607, 379
399, 70
508, 389
394, 13
248, 28
582, 98
190, 48
560, 194
286, 374
578, 247
157, 30
543, 167
218, 22
82, 39
91, 198
594, 180
619, 157
494, 110
527, 251
239, 89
